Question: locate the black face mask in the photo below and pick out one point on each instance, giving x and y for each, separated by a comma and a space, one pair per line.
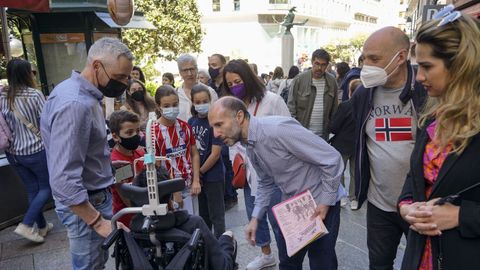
131, 143
137, 96
214, 72
113, 88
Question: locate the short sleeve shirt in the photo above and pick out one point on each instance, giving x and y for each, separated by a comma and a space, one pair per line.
175, 142
205, 140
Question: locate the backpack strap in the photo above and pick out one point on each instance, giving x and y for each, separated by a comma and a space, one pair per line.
28, 124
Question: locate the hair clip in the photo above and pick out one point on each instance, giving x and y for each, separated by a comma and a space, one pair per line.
447, 14
443, 12
450, 18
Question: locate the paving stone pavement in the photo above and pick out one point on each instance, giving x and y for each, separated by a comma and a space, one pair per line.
17, 253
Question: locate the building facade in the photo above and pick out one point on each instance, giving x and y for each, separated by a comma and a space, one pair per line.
249, 29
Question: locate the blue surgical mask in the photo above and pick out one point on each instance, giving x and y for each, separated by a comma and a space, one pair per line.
202, 109
170, 113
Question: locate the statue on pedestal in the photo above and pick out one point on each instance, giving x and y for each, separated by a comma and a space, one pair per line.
288, 21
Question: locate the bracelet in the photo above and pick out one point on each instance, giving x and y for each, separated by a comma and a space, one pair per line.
95, 220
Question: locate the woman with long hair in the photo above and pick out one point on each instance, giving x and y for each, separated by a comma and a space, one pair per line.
139, 101
21, 106
137, 74
167, 78
441, 196
276, 80
284, 87
240, 81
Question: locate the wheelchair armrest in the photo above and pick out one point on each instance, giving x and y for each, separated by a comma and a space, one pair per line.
139, 195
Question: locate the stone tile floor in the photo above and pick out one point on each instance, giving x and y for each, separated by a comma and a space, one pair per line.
18, 253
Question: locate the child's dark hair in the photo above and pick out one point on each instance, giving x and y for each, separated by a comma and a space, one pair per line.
117, 118
164, 91
198, 88
141, 180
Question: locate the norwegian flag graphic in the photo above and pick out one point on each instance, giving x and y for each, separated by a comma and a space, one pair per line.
393, 129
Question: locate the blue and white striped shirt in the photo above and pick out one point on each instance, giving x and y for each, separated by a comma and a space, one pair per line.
29, 103
287, 155
73, 129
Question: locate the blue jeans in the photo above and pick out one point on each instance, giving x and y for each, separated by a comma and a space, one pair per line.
321, 253
33, 171
85, 243
262, 237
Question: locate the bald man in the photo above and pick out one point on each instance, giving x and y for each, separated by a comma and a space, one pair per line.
281, 159
386, 110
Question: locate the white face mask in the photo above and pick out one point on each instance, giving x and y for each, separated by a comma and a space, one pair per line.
170, 113
372, 76
202, 109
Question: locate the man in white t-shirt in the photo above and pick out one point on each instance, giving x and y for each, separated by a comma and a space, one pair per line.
187, 67
385, 109
313, 98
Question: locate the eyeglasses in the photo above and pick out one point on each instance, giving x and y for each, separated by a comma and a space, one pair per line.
188, 70
447, 14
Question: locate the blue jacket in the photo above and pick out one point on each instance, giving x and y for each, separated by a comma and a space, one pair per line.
362, 104
354, 73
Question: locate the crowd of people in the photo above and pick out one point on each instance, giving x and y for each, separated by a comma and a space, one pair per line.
409, 132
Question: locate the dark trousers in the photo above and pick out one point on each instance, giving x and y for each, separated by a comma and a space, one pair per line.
220, 252
230, 192
321, 253
384, 231
212, 206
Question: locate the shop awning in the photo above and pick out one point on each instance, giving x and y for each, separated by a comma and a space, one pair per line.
136, 22
31, 5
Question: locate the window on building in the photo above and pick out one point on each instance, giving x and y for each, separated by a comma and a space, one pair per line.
236, 5
216, 5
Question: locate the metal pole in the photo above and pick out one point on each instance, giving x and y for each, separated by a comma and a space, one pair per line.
5, 34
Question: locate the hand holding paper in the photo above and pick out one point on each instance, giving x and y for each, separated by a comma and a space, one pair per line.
321, 211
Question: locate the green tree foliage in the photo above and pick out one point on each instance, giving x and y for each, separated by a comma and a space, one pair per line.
347, 49
178, 30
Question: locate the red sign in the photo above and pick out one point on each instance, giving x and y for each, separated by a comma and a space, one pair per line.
32, 5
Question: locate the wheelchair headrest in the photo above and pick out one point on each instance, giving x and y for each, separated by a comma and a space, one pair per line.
139, 195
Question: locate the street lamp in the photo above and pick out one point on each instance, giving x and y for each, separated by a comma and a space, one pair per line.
16, 47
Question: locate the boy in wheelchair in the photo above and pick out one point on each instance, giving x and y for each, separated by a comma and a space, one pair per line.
176, 240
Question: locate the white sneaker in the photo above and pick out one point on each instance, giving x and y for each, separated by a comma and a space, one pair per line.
28, 232
261, 262
344, 202
44, 231
354, 205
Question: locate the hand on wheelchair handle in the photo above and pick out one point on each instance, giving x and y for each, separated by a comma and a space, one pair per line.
104, 227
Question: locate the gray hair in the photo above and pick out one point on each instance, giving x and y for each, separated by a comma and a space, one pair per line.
204, 72
107, 50
186, 58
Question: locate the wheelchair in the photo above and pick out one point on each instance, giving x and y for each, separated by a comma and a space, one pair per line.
154, 241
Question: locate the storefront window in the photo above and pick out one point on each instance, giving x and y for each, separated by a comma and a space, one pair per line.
62, 53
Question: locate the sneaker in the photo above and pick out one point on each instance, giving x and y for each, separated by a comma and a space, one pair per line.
344, 202
28, 232
44, 231
261, 262
354, 205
